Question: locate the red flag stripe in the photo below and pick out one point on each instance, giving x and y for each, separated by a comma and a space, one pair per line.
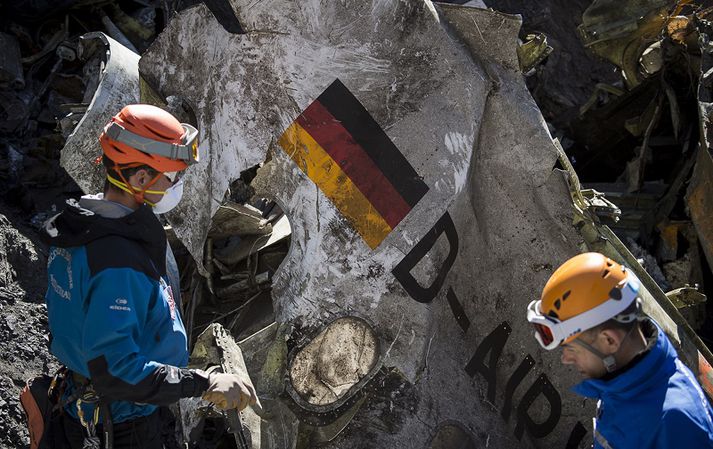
354, 161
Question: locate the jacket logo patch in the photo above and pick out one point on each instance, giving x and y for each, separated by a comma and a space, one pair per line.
171, 302
167, 294
63, 291
121, 305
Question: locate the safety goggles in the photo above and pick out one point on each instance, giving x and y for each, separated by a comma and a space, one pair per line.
186, 151
551, 332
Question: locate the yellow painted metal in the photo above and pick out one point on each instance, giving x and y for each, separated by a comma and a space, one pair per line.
314, 161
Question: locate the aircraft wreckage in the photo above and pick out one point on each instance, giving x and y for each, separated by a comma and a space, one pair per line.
425, 210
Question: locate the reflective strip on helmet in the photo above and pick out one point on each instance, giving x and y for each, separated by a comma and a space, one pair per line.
187, 151
562, 330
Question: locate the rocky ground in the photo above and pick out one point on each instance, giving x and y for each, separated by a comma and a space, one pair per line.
24, 335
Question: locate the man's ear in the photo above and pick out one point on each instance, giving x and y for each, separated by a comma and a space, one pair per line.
140, 178
610, 340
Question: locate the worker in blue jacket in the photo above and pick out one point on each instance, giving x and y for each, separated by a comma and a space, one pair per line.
113, 295
647, 398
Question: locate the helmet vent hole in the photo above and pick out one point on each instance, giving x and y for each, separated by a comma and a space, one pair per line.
558, 304
160, 134
610, 263
615, 293
605, 273
566, 295
553, 314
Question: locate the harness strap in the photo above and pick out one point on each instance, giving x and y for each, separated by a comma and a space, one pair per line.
608, 360
108, 424
85, 393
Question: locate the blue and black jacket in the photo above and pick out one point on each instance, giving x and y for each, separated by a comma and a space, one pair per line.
653, 403
113, 316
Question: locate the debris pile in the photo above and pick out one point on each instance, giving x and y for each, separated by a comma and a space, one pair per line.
23, 322
47, 82
247, 241
638, 140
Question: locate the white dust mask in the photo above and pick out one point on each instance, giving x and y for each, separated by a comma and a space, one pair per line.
170, 199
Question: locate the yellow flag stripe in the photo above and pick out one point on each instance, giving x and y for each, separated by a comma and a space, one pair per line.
311, 158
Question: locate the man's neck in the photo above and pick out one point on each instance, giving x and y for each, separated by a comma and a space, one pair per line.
631, 346
121, 197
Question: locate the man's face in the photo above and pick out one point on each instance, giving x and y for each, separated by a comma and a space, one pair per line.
141, 178
587, 364
161, 185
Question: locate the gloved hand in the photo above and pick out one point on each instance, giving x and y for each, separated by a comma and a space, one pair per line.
228, 391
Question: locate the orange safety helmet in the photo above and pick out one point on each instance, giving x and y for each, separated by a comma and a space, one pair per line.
142, 134
584, 292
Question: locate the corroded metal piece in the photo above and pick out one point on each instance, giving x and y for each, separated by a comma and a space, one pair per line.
115, 86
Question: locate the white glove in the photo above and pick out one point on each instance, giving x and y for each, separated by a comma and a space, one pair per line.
228, 391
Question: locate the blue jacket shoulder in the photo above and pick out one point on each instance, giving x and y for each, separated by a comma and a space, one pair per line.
115, 251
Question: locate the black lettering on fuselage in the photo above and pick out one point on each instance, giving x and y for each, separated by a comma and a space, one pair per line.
492, 346
402, 271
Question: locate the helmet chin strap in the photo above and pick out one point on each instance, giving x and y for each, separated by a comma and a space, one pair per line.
608, 360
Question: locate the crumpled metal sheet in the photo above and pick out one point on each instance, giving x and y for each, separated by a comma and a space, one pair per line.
444, 84
620, 31
215, 347
118, 86
699, 200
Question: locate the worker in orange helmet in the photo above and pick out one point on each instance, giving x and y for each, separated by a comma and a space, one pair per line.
591, 309
113, 297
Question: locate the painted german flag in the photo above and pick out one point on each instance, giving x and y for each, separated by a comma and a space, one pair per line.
340, 147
